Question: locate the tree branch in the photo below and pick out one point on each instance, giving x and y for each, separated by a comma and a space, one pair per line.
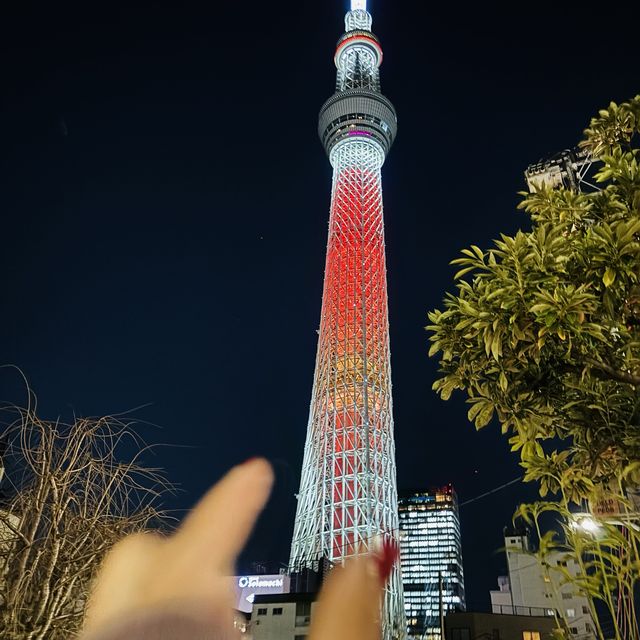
615, 374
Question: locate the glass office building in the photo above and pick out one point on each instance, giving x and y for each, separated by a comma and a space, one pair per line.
431, 558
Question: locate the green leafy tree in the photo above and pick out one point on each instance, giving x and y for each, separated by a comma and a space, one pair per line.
543, 333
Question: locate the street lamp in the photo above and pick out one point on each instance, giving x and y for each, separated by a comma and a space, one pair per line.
586, 523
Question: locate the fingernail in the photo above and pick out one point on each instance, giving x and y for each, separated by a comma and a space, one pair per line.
387, 557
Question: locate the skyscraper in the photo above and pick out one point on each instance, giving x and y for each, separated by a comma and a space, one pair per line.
431, 558
348, 498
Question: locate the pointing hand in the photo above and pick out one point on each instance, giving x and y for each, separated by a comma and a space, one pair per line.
176, 587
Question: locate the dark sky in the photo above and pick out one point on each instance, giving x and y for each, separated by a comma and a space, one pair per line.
164, 204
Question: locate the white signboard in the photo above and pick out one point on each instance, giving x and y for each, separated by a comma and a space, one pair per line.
247, 587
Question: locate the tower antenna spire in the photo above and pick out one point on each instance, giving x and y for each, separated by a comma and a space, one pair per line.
358, 4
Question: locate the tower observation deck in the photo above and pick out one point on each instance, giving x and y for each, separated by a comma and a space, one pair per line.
347, 502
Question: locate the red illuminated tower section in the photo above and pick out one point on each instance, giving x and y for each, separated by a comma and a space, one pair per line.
348, 497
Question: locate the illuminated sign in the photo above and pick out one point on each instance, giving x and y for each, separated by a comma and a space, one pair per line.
260, 582
248, 587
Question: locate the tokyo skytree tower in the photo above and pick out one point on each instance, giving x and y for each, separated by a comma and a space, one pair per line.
348, 496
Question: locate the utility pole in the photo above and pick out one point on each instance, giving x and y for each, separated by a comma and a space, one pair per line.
441, 603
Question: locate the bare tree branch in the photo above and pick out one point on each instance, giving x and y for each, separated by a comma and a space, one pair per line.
71, 497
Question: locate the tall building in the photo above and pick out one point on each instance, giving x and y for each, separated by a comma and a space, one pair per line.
531, 590
347, 501
431, 558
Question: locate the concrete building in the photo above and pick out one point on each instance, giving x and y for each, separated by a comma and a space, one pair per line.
530, 589
491, 626
430, 548
282, 616
246, 588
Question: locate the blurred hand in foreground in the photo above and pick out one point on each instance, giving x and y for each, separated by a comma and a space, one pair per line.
172, 588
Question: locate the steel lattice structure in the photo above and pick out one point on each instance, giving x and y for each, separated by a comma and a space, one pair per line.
348, 496
569, 169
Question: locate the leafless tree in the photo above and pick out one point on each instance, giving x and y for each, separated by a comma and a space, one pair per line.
67, 498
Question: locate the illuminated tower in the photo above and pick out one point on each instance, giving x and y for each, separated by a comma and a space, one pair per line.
348, 498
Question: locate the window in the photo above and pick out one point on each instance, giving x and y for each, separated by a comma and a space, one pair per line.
567, 596
571, 613
588, 628
303, 613
530, 635
262, 612
574, 630
300, 637
277, 611
585, 609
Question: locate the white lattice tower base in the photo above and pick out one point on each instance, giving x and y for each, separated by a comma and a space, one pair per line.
348, 498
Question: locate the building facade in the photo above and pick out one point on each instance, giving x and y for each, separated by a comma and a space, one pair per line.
431, 558
493, 626
347, 503
531, 589
281, 617
247, 587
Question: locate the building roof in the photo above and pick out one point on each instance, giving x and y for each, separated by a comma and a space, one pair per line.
283, 598
411, 491
461, 615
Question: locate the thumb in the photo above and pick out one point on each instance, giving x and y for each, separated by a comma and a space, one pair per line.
350, 602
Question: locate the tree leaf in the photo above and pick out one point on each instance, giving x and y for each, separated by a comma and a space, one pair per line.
609, 277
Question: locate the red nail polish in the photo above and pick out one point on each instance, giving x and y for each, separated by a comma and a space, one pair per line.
387, 558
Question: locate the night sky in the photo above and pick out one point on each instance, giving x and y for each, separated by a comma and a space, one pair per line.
164, 204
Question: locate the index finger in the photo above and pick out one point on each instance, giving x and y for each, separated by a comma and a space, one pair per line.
220, 524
